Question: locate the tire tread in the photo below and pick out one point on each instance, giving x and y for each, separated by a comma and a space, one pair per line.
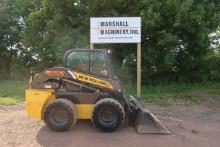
109, 101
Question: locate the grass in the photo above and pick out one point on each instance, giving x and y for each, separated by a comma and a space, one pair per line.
214, 91
11, 92
176, 93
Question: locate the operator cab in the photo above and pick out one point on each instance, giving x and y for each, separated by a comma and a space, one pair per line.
91, 61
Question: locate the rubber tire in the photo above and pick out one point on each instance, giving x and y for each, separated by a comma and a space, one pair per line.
68, 107
116, 106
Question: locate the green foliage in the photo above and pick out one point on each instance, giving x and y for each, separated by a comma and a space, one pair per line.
176, 39
10, 45
177, 44
12, 92
52, 28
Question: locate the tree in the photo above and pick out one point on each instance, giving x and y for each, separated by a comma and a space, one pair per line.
52, 28
175, 34
10, 44
176, 37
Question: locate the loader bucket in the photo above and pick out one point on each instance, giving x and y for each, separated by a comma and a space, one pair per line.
145, 121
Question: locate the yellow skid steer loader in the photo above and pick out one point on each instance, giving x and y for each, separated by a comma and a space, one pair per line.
86, 88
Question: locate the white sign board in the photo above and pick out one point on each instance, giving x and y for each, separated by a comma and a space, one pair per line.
115, 30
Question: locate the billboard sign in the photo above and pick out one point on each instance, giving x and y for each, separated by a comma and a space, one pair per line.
115, 30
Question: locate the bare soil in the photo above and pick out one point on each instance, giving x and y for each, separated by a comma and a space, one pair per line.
191, 126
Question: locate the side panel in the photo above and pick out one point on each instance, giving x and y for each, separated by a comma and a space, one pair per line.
36, 99
84, 111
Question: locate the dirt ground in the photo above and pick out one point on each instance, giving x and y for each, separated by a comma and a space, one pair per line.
191, 126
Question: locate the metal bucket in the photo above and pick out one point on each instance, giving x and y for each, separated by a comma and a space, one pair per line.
145, 121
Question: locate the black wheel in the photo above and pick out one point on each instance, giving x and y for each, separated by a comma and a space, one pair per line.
60, 115
108, 115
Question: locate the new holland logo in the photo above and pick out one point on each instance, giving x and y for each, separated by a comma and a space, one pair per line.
93, 80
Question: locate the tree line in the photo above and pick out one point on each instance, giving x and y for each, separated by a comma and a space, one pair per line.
180, 38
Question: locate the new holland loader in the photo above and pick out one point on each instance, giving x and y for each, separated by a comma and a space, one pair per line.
86, 88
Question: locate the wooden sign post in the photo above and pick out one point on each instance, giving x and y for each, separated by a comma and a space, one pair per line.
91, 46
138, 69
118, 30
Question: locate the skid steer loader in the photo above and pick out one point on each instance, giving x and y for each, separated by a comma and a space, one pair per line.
86, 88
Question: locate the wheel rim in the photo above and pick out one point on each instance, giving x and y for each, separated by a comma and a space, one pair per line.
107, 116
59, 116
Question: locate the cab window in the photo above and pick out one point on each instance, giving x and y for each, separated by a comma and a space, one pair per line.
89, 62
78, 61
98, 64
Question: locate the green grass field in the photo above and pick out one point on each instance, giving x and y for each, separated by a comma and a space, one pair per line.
12, 92
177, 93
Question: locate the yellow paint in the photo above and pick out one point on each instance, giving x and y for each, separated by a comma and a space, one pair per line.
93, 80
84, 111
36, 99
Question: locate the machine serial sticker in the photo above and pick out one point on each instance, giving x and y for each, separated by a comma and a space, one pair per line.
93, 80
